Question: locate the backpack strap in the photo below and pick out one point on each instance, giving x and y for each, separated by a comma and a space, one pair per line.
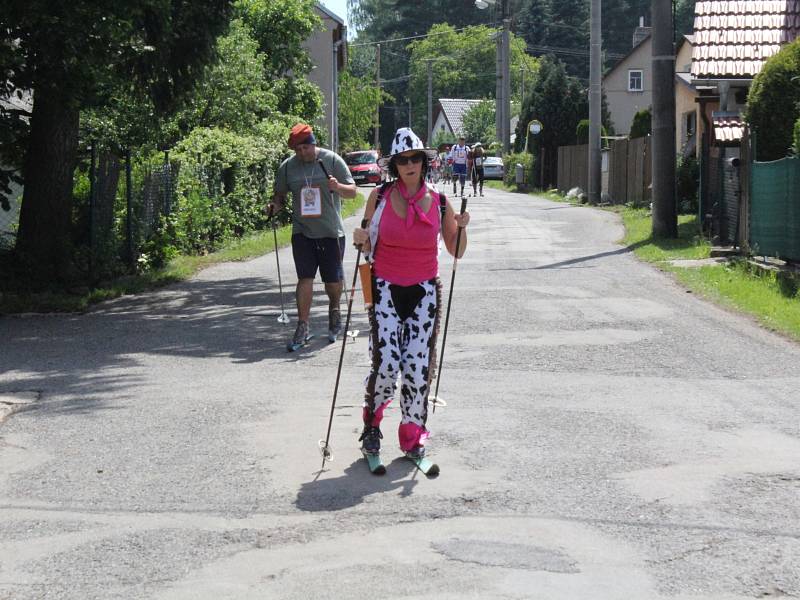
382, 191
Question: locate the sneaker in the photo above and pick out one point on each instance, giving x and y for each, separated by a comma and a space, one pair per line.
300, 337
416, 453
371, 439
334, 324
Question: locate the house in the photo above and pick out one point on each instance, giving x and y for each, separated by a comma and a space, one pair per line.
686, 106
628, 85
327, 49
448, 117
731, 42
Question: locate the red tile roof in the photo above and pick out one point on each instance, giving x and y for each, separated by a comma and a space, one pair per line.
733, 38
728, 126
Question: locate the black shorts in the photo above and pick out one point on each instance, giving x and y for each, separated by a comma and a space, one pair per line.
324, 254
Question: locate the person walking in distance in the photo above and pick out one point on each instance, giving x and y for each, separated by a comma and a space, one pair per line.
406, 220
317, 228
459, 154
476, 158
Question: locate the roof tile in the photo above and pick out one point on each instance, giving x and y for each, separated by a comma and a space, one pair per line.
733, 38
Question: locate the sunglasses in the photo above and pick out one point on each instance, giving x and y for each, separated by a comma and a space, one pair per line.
404, 160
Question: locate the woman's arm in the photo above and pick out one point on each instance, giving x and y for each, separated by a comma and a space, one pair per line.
361, 236
452, 224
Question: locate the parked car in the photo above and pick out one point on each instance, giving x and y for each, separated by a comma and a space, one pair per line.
493, 168
364, 167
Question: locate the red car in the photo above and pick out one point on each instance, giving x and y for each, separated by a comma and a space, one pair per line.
364, 167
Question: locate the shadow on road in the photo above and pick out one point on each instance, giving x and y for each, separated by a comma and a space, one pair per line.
356, 483
88, 357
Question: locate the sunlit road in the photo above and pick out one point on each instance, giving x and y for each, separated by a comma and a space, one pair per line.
607, 435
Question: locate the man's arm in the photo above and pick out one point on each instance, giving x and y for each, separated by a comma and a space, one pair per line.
341, 181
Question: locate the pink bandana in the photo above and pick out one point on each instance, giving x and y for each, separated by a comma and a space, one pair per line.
413, 207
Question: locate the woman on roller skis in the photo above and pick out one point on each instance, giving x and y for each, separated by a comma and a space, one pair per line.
406, 220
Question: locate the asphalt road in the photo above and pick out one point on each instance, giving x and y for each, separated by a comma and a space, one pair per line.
607, 435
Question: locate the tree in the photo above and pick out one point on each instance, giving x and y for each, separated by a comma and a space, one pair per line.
358, 98
641, 125
463, 65
479, 122
559, 102
66, 53
773, 102
234, 92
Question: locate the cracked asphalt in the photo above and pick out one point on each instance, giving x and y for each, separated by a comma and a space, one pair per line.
607, 436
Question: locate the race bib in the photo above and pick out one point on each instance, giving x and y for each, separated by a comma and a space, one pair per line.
479, 162
310, 202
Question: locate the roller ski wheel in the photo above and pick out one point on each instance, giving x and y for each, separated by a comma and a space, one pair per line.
374, 462
428, 468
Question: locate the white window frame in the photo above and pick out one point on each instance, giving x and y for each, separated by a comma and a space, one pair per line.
641, 80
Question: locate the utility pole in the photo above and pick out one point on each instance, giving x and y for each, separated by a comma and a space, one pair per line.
665, 218
506, 79
429, 139
498, 94
378, 108
595, 115
522, 84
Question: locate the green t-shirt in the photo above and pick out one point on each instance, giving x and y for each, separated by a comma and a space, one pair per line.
293, 175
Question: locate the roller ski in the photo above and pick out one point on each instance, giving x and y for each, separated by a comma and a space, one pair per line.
300, 338
417, 456
371, 449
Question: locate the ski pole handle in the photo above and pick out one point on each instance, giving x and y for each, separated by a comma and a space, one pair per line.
364, 223
463, 205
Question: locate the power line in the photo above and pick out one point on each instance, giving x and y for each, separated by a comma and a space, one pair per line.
416, 37
569, 51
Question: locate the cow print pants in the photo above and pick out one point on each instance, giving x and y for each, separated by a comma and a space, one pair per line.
404, 323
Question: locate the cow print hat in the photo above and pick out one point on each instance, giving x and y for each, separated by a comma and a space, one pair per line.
404, 140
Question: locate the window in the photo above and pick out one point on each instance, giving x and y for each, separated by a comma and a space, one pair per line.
635, 81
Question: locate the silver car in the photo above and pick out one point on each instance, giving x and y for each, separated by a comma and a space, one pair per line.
493, 168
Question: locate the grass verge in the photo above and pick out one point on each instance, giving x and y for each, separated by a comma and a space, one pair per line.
761, 294
179, 269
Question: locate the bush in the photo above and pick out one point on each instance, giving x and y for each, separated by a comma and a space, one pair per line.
582, 132
510, 162
797, 136
772, 103
687, 181
223, 184
641, 125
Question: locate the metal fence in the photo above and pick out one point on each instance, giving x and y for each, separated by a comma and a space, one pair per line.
775, 208
9, 221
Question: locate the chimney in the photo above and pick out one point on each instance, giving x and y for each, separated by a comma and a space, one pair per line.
640, 32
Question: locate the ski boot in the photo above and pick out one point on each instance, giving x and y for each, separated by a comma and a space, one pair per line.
371, 448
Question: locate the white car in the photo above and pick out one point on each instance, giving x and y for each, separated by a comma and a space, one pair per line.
493, 168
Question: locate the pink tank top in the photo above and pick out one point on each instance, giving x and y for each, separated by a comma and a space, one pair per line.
407, 255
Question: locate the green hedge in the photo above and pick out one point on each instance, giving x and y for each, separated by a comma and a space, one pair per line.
510, 162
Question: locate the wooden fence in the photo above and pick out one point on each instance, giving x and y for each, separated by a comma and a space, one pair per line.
629, 170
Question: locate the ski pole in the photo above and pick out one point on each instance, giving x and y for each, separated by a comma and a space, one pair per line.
283, 318
324, 445
436, 399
